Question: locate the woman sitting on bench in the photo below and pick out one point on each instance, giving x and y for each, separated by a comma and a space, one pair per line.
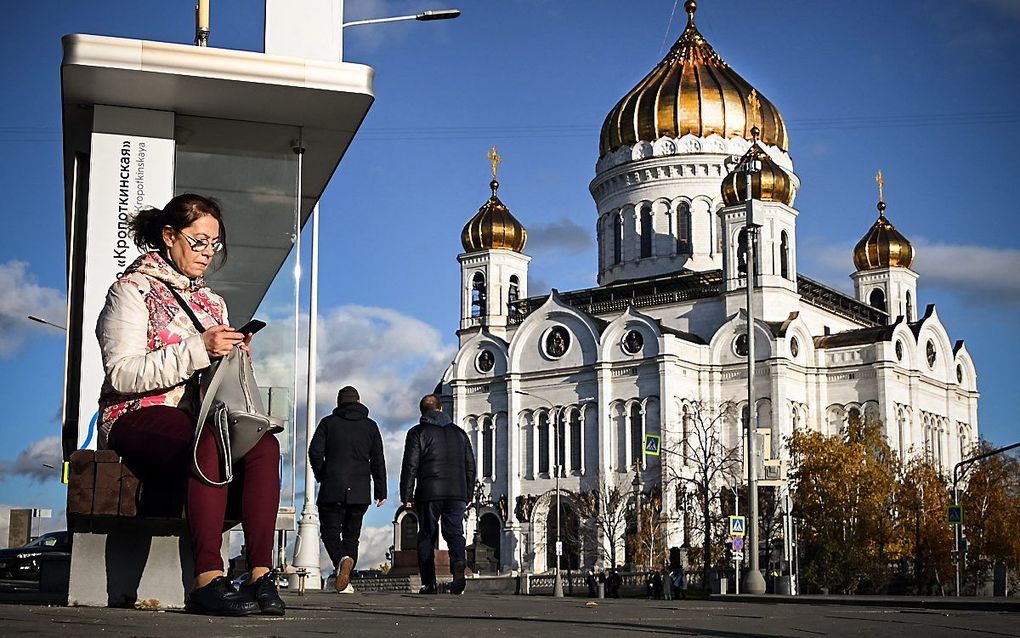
151, 352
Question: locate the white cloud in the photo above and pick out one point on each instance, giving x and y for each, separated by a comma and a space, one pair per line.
564, 236
21, 296
979, 274
30, 461
391, 358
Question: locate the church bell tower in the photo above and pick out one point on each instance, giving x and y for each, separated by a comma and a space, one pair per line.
493, 268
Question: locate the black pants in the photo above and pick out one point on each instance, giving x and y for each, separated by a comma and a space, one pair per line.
340, 526
430, 514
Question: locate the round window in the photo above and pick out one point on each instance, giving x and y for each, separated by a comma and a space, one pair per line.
740, 345
485, 361
794, 347
959, 373
557, 341
633, 342
899, 351
930, 353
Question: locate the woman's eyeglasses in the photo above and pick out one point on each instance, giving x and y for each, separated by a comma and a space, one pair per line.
198, 245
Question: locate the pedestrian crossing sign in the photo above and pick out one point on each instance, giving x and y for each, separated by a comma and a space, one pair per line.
652, 444
737, 526
954, 515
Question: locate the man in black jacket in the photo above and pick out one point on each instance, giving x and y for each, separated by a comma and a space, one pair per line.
346, 450
436, 478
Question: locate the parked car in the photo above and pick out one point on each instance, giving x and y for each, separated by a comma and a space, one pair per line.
22, 563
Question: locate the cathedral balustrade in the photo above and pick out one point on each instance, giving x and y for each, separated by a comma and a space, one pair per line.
820, 295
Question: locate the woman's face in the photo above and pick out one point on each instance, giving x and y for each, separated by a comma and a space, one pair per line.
192, 249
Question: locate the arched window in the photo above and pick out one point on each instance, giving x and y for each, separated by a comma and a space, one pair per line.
646, 232
617, 222
910, 307
543, 443
719, 239
478, 295
742, 253
513, 295
487, 442
784, 255
877, 299
636, 435
561, 443
683, 231
575, 441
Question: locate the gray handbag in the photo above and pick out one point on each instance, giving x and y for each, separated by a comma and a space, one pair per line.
232, 405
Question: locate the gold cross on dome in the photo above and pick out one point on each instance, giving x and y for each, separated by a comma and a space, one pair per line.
754, 108
496, 160
881, 185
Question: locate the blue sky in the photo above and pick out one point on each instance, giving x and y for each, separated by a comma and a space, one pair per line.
925, 91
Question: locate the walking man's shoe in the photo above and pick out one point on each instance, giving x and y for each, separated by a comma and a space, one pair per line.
343, 573
457, 587
427, 589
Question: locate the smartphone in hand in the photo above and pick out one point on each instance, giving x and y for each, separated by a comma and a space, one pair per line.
251, 327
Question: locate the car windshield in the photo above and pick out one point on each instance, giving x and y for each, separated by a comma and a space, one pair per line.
49, 540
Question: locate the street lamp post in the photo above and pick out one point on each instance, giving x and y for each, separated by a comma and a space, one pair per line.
753, 581
636, 487
306, 545
957, 475
557, 580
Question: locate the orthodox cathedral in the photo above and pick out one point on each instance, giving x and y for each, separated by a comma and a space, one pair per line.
560, 391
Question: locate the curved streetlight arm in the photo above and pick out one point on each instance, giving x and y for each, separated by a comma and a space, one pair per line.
424, 16
46, 322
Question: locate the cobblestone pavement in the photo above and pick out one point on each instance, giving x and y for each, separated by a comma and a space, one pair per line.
394, 615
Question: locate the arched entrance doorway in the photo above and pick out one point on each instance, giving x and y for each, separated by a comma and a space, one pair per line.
409, 532
491, 532
570, 536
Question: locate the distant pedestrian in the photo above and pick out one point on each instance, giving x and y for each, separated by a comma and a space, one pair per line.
589, 579
346, 452
436, 479
678, 583
613, 583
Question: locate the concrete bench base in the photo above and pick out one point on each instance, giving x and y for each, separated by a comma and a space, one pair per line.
133, 563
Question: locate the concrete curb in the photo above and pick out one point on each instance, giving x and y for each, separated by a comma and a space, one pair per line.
911, 602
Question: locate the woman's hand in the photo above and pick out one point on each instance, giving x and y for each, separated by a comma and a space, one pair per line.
246, 344
220, 340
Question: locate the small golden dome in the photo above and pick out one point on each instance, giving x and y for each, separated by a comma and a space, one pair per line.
770, 184
493, 227
691, 91
883, 246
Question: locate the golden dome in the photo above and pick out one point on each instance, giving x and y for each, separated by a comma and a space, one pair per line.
691, 91
883, 246
493, 227
770, 184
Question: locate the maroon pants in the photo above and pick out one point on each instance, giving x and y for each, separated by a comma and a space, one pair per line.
156, 443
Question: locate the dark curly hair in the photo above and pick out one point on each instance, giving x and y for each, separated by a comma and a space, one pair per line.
179, 213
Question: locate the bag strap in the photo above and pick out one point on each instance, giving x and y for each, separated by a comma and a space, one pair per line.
186, 307
203, 413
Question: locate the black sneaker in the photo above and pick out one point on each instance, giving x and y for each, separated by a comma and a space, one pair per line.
219, 598
263, 593
457, 587
427, 589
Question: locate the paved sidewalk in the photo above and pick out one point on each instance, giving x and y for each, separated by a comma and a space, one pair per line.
394, 615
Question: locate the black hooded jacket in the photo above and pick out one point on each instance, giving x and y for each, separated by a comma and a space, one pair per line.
438, 461
346, 452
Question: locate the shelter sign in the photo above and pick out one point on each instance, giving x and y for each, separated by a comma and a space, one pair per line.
126, 173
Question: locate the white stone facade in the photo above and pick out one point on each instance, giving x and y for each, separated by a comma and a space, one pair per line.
821, 354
